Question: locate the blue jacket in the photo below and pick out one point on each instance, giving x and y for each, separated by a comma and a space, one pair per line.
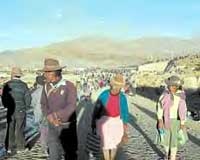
104, 96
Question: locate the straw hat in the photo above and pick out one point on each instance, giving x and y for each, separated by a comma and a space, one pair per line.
16, 71
118, 80
174, 81
51, 65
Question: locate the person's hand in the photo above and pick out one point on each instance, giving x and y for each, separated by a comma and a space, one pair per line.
182, 126
57, 122
160, 124
125, 126
51, 118
124, 138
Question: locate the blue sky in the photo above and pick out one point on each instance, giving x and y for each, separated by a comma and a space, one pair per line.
30, 23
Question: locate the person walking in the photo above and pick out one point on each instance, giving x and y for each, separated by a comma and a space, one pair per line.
110, 117
58, 103
39, 119
171, 114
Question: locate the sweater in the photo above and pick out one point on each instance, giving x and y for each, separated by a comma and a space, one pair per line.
59, 98
165, 107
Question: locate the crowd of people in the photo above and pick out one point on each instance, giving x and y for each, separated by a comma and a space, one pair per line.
54, 100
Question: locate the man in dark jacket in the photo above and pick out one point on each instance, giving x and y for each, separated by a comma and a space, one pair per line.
58, 104
17, 99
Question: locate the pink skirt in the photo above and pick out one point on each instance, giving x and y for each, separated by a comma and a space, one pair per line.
111, 131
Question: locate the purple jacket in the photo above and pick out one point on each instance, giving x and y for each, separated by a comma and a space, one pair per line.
167, 102
61, 100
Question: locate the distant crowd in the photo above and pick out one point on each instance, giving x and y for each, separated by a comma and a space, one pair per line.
50, 108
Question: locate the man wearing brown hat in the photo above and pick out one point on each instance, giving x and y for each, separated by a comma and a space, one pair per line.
58, 104
17, 99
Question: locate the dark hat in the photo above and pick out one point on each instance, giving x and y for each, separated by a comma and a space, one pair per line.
52, 65
174, 81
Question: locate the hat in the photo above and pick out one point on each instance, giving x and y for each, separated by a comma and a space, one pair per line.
52, 65
16, 71
174, 81
118, 80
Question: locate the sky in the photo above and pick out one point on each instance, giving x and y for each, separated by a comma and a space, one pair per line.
32, 23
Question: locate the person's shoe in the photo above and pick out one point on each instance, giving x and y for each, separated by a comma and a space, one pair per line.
173, 157
26, 150
165, 157
19, 152
11, 152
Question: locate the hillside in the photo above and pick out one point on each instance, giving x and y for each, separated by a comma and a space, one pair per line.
90, 51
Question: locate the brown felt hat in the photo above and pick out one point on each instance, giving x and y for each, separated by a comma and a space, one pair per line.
51, 65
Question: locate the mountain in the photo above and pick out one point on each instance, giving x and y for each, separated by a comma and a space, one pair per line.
92, 51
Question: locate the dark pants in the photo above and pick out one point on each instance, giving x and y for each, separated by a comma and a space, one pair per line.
62, 140
16, 125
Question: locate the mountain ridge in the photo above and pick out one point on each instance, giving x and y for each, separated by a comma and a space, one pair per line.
103, 51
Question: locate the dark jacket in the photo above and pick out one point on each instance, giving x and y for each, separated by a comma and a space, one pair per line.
16, 96
99, 111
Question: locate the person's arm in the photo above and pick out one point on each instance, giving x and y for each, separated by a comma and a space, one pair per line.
64, 114
44, 102
5, 95
124, 111
183, 113
125, 118
27, 97
95, 114
159, 113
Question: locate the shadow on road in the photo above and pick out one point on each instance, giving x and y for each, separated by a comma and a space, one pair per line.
151, 114
148, 140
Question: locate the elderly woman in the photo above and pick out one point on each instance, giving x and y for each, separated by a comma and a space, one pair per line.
111, 117
171, 114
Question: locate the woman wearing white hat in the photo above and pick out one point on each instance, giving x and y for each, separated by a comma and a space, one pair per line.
111, 117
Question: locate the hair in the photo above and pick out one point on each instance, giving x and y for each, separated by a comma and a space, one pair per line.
58, 73
17, 76
40, 80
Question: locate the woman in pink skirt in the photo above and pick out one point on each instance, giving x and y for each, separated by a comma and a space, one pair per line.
111, 117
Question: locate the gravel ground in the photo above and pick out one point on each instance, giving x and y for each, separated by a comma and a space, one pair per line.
142, 133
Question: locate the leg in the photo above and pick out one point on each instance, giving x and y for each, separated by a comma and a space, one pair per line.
173, 153
43, 138
175, 126
19, 131
68, 138
166, 142
54, 143
11, 135
113, 153
166, 151
106, 154
174, 134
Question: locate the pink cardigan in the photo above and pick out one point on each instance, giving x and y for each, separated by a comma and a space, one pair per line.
167, 102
